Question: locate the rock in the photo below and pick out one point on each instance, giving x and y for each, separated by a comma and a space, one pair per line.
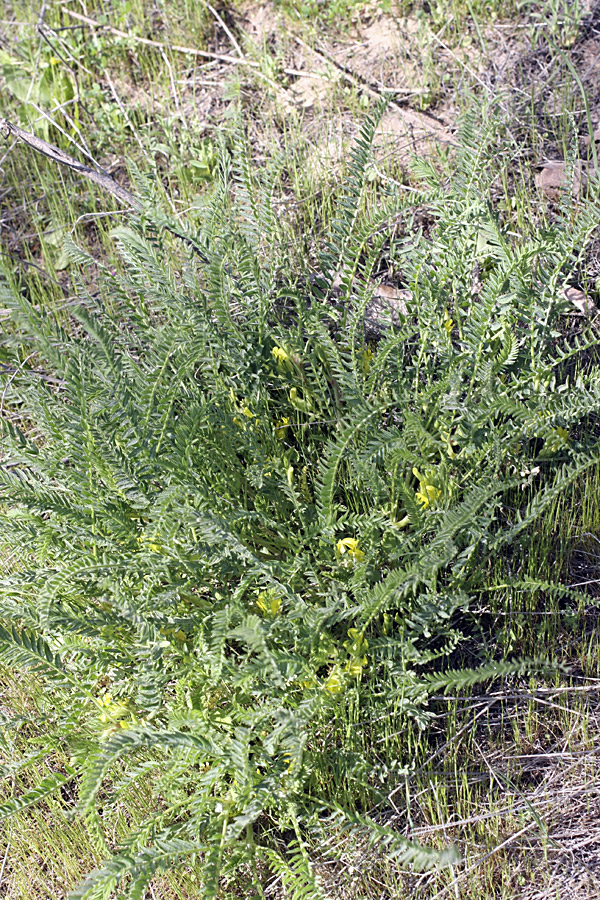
553, 178
581, 301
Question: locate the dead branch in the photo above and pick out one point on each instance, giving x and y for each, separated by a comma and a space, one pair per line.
190, 51
412, 117
101, 178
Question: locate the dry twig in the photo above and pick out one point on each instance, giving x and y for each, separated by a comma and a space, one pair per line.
159, 45
57, 155
412, 118
101, 178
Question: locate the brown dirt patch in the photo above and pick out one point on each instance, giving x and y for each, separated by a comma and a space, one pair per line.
259, 22
381, 53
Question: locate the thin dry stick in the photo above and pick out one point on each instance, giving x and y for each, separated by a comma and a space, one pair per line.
103, 179
59, 156
82, 147
12, 378
130, 124
6, 852
223, 25
174, 93
411, 116
160, 45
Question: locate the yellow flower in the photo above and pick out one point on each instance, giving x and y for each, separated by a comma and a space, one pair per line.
114, 715
269, 602
354, 667
448, 323
149, 543
367, 359
303, 404
350, 546
280, 355
357, 647
172, 631
246, 412
281, 428
334, 683
357, 642
428, 494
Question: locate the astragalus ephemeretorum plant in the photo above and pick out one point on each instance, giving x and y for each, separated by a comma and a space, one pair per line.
236, 511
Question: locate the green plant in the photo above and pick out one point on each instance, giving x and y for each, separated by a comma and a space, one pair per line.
561, 20
239, 516
329, 10
45, 90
